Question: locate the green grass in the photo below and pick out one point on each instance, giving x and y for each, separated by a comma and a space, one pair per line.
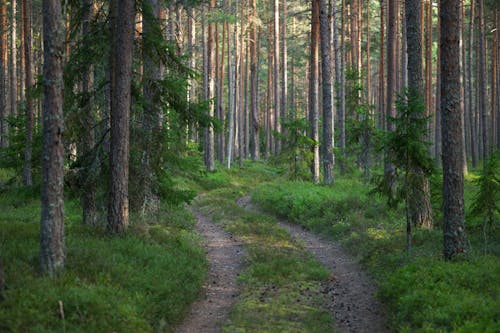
140, 282
281, 282
423, 292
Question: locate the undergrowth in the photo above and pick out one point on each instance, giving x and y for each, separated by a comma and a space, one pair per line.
140, 282
423, 292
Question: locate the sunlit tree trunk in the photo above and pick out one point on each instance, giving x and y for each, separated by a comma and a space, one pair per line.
254, 82
211, 70
276, 76
284, 71
381, 72
326, 75
314, 89
470, 88
483, 77
13, 59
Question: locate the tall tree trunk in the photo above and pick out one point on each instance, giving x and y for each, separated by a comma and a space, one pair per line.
26, 17
151, 108
404, 51
254, 82
483, 77
231, 94
437, 118
52, 250
276, 77
284, 70
326, 78
13, 59
4, 74
381, 72
270, 124
453, 180
314, 89
342, 89
221, 115
118, 211
470, 88
420, 204
87, 143
389, 168
211, 69
462, 85
368, 56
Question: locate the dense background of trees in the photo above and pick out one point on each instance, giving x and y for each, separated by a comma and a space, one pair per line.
150, 86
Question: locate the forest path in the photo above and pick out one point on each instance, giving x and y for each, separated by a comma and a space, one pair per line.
225, 257
352, 294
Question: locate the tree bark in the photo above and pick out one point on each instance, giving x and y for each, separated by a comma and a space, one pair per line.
211, 69
483, 77
52, 250
118, 211
26, 17
420, 205
326, 78
89, 190
4, 74
276, 77
284, 70
314, 89
389, 168
453, 180
470, 88
13, 60
254, 82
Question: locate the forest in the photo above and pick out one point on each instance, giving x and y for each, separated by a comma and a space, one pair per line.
249, 166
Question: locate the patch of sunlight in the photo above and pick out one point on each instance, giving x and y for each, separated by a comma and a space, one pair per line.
377, 234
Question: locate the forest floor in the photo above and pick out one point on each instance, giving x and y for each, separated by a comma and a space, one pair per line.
351, 292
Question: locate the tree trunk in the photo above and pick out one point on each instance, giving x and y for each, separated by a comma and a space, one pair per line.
4, 74
483, 77
284, 70
231, 94
52, 250
118, 213
26, 17
462, 86
420, 205
453, 180
13, 60
326, 77
89, 190
389, 168
254, 82
276, 77
314, 89
381, 72
470, 88
211, 70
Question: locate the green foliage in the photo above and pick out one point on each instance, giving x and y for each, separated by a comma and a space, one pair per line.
444, 296
141, 282
406, 147
486, 202
425, 294
296, 153
12, 157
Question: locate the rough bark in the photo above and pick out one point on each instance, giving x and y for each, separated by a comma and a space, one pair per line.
326, 78
470, 87
52, 250
389, 168
314, 89
420, 205
118, 210
254, 82
276, 77
4, 74
381, 75
211, 70
29, 83
483, 77
13, 59
453, 180
284, 67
